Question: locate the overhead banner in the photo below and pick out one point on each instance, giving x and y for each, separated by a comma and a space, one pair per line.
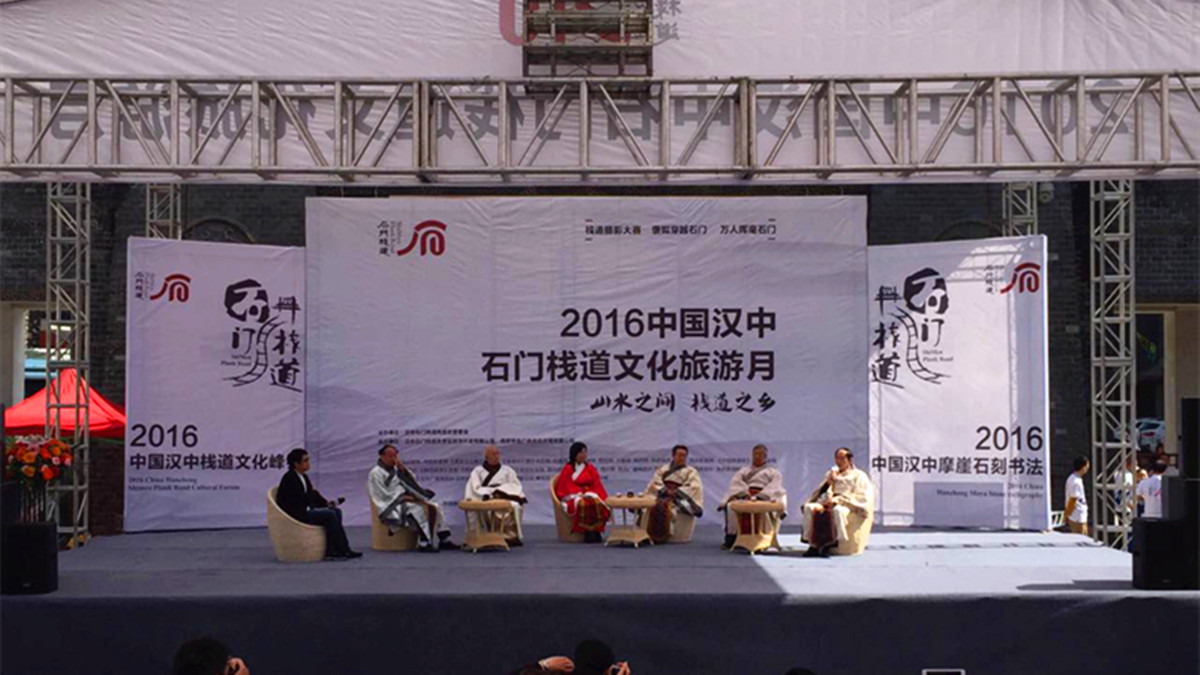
959, 385
442, 325
215, 354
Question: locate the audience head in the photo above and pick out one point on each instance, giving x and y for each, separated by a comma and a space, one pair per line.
679, 455
298, 460
578, 453
491, 455
1160, 467
389, 455
1081, 465
759, 455
844, 458
206, 656
593, 657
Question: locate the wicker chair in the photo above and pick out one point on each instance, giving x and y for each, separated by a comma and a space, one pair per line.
403, 539
858, 528
293, 540
561, 520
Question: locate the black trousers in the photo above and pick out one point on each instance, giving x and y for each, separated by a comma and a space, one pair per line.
335, 536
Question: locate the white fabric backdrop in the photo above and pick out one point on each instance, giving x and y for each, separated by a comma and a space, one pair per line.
959, 388
397, 343
214, 380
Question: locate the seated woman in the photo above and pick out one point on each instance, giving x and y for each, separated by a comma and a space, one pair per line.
582, 495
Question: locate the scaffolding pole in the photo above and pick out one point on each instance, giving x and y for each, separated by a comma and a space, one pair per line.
1113, 359
163, 211
68, 291
1020, 207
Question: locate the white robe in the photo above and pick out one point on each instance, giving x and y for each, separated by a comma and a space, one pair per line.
387, 493
767, 479
855, 493
504, 480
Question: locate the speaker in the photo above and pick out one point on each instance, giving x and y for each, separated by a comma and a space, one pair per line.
1162, 554
29, 558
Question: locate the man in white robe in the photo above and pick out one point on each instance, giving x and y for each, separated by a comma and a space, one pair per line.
680, 493
843, 489
493, 480
758, 482
402, 502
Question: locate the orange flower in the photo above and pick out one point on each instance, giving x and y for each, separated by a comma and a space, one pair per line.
30, 457
28, 471
47, 473
56, 449
45, 453
67, 460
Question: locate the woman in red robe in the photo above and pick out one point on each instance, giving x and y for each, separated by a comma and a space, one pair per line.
582, 495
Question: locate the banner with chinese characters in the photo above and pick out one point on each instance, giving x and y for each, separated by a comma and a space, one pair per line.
959, 386
214, 380
442, 325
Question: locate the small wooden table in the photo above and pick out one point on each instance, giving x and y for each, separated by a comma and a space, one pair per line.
763, 534
625, 533
486, 532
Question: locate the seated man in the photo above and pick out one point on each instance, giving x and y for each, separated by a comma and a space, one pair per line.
678, 488
402, 502
759, 482
843, 489
582, 495
493, 480
297, 497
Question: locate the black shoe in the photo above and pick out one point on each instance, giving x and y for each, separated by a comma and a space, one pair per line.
352, 554
729, 539
591, 537
427, 549
811, 552
515, 542
448, 545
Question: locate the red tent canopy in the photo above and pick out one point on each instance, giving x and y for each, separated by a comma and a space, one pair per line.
105, 420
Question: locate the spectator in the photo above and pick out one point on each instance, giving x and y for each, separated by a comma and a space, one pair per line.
592, 657
1149, 493
207, 656
1076, 512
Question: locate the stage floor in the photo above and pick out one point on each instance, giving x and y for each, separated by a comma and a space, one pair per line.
989, 602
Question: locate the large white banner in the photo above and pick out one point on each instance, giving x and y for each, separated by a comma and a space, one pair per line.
959, 387
214, 380
442, 325
695, 38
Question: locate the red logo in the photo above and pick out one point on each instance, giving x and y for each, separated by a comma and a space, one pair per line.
1026, 277
431, 234
176, 287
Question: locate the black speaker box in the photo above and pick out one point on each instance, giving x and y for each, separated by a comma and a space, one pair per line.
1163, 554
29, 559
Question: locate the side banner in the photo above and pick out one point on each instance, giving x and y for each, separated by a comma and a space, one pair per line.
214, 380
959, 384
442, 325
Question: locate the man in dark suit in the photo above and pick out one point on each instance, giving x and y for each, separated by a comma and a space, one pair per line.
300, 500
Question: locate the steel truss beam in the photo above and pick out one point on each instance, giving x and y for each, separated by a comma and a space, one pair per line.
1113, 340
989, 127
1020, 204
163, 211
68, 291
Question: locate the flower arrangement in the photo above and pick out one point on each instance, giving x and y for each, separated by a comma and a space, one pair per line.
36, 462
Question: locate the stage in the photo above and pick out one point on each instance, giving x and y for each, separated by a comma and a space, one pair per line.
988, 602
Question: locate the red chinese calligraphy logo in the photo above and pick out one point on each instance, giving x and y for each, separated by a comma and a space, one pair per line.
177, 288
431, 235
1026, 278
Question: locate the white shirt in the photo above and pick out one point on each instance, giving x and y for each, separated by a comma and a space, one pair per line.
1151, 491
1075, 489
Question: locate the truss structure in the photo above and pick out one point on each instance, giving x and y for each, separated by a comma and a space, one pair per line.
1113, 340
989, 127
164, 218
597, 38
1020, 209
68, 290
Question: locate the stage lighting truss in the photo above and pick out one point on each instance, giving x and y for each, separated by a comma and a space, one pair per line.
600, 38
1000, 128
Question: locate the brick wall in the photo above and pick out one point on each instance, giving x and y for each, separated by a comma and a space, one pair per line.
1167, 249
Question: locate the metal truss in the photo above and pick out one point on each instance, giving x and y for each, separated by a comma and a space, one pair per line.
68, 291
990, 127
596, 38
1020, 204
1113, 340
164, 211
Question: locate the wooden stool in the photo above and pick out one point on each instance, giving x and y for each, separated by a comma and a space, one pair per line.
486, 531
625, 533
762, 534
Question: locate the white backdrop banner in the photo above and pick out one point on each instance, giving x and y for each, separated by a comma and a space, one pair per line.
441, 325
959, 386
214, 380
